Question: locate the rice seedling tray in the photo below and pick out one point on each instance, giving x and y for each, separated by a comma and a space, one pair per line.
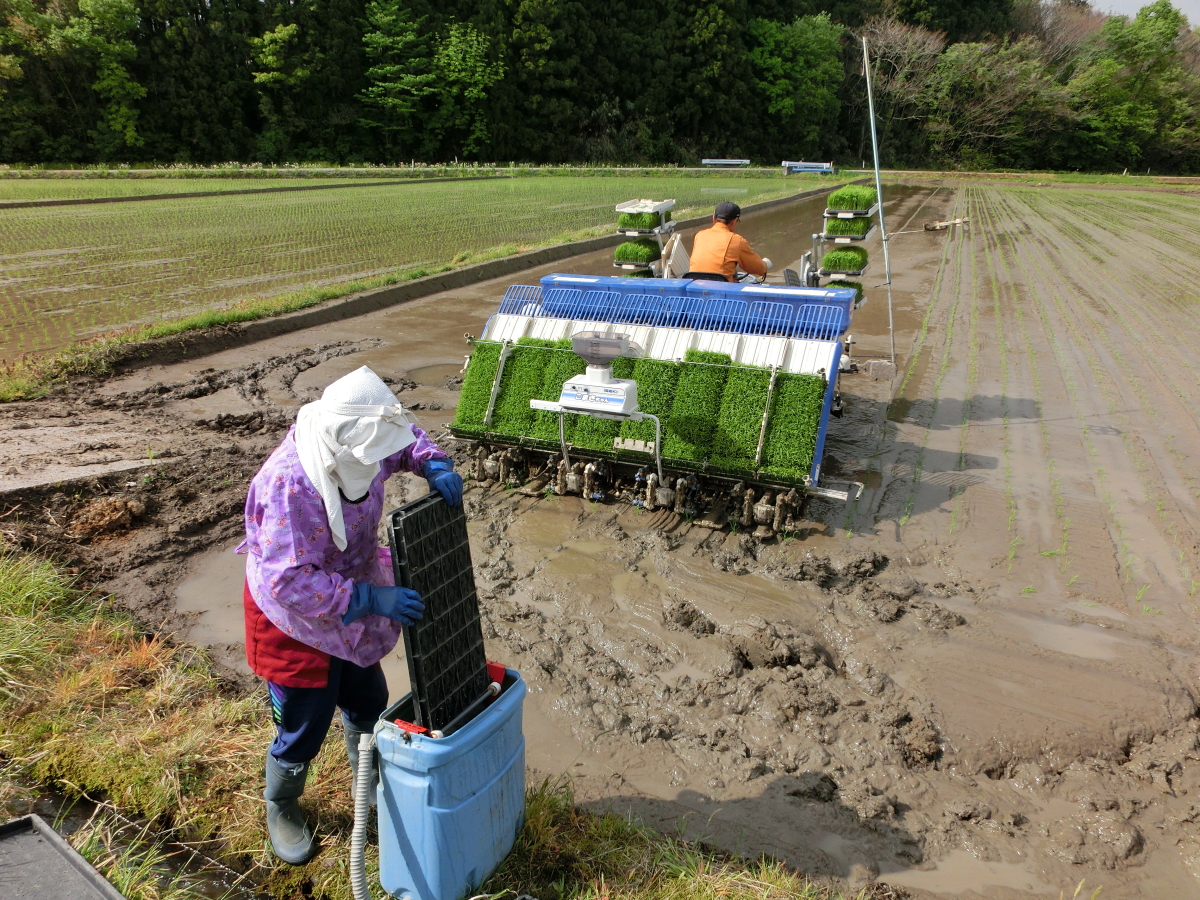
848, 238
446, 663
827, 273
38, 862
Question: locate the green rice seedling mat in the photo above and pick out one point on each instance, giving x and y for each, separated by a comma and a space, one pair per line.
642, 221
850, 260
856, 227
711, 410
642, 251
853, 197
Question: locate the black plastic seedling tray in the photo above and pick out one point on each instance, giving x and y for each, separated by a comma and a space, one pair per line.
446, 663
35, 861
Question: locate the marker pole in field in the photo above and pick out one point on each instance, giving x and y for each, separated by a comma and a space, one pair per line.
887, 262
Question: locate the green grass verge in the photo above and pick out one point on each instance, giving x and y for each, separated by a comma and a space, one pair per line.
697, 403
844, 259
643, 250
740, 418
852, 196
93, 704
792, 430
855, 227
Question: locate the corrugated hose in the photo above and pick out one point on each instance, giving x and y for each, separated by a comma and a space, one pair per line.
362, 812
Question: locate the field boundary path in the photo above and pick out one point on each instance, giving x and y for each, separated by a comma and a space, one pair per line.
190, 345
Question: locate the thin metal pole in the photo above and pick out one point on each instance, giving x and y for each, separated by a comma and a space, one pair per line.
887, 262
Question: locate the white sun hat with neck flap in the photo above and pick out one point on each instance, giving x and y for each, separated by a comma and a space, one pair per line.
342, 438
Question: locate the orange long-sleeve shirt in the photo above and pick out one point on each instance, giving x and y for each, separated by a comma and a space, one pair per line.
718, 249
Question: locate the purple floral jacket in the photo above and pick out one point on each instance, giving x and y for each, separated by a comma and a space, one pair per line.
297, 575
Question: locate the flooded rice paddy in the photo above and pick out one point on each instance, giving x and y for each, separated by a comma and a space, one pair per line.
977, 681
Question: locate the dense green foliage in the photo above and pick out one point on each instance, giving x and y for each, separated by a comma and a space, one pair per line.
643, 250
477, 387
974, 83
792, 429
844, 259
642, 220
698, 392
740, 419
857, 226
852, 196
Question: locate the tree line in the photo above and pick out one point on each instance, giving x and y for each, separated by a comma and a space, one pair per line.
970, 83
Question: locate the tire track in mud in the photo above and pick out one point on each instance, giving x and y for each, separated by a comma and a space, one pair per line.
938, 477
1063, 316
892, 474
1138, 410
922, 424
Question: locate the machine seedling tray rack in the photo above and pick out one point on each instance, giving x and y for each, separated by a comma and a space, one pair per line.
848, 238
826, 273
446, 663
831, 213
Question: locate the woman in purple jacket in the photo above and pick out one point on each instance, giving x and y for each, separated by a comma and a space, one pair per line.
322, 608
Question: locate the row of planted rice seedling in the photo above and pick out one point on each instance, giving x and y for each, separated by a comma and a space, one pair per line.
711, 410
66, 271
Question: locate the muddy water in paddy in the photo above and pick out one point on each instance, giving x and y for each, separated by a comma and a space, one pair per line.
976, 681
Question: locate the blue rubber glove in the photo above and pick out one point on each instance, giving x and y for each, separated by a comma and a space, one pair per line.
442, 478
399, 604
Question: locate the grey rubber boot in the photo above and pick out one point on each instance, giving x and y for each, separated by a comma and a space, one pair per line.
352, 736
291, 838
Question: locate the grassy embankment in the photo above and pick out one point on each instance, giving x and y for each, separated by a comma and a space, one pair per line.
94, 704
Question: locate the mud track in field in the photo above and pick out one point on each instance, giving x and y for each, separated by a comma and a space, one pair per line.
978, 680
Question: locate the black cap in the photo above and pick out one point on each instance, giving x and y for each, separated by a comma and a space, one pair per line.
727, 211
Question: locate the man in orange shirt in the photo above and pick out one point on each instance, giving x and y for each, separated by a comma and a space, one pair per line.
720, 249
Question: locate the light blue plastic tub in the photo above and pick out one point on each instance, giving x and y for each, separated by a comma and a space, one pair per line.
450, 808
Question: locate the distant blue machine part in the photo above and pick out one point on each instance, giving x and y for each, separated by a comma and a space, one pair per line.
735, 309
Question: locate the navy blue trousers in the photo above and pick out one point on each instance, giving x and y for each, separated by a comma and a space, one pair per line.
302, 715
